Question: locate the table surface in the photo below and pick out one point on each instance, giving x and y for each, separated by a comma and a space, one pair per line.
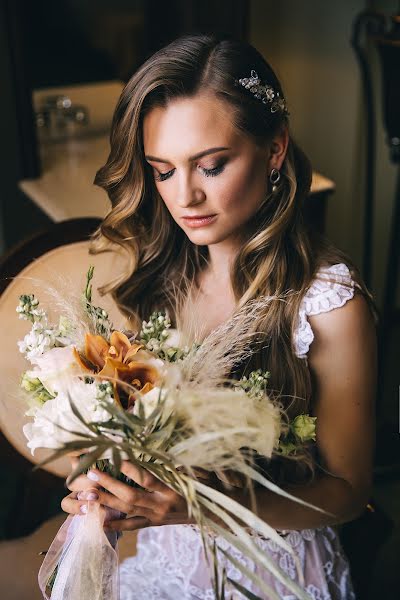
65, 189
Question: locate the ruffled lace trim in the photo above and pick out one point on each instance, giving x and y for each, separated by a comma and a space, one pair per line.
322, 296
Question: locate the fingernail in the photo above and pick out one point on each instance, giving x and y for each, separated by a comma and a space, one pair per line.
93, 476
80, 495
92, 496
83, 509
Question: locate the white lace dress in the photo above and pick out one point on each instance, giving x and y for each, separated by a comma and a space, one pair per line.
170, 562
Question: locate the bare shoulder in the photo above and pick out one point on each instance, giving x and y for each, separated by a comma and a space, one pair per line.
343, 365
343, 355
343, 329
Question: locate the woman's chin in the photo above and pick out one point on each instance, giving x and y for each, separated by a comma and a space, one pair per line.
202, 238
208, 238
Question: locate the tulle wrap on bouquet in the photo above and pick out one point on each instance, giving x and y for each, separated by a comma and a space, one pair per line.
86, 559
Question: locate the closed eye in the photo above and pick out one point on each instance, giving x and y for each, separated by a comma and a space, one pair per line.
206, 172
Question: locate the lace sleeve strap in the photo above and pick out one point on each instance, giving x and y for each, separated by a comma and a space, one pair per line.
332, 287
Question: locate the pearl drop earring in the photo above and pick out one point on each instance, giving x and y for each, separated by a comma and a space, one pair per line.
274, 178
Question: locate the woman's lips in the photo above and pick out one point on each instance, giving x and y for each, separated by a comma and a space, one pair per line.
199, 221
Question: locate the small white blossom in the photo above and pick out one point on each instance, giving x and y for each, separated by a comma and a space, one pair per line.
27, 308
38, 341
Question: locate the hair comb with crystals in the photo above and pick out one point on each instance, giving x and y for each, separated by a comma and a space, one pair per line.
265, 93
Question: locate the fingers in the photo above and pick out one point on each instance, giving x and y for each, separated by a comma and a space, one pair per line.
154, 502
76, 504
113, 505
76, 453
73, 453
143, 477
128, 495
71, 505
81, 483
114, 502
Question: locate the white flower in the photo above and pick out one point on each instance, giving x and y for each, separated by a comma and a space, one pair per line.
37, 341
149, 402
44, 432
27, 309
53, 366
174, 339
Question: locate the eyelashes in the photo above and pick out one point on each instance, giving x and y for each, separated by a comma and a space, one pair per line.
206, 172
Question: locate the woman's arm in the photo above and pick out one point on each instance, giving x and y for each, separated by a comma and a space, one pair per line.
342, 361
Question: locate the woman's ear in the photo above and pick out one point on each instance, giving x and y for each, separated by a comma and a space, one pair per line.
278, 149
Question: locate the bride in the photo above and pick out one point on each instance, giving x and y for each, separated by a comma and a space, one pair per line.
207, 187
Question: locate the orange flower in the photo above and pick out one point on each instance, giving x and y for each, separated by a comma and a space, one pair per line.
121, 362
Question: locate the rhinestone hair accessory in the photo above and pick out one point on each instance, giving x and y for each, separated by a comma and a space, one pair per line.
265, 93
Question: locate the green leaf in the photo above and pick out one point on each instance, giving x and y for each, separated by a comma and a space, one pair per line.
286, 448
122, 416
68, 446
88, 288
85, 462
142, 415
117, 462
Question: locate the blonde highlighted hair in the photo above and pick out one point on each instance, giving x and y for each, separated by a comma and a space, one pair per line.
281, 255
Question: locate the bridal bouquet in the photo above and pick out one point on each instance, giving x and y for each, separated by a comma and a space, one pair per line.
147, 397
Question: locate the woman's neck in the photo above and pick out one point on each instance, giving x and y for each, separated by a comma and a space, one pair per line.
220, 259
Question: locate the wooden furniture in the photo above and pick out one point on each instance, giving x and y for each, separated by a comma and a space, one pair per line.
59, 254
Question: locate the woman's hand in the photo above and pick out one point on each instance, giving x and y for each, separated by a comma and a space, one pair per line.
157, 504
83, 489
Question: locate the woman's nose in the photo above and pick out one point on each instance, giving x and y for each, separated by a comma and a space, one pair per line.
190, 198
189, 193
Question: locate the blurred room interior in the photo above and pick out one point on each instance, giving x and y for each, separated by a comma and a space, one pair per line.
62, 68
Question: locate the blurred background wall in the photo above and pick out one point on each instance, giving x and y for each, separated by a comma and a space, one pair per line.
308, 43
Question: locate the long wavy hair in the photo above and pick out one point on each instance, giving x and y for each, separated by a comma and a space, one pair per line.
281, 254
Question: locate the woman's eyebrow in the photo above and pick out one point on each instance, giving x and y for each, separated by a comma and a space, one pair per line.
199, 155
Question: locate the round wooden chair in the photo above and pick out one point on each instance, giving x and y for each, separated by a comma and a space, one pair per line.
61, 250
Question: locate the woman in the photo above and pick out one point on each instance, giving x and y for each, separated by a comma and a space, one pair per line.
202, 130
